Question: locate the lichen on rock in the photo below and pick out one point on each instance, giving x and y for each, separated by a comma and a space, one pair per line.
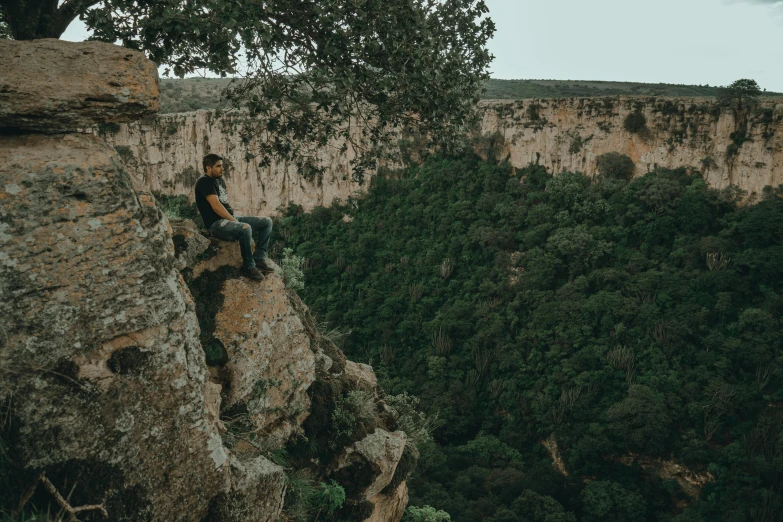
101, 334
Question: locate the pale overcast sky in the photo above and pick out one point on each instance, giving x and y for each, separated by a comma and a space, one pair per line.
672, 41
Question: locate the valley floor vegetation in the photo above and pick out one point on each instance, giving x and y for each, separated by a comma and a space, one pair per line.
617, 327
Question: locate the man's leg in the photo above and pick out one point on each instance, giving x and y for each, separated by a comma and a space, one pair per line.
242, 232
262, 231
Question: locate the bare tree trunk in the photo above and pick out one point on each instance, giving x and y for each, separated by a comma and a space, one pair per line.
33, 19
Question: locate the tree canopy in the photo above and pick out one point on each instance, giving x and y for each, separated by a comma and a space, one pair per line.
739, 94
611, 325
311, 70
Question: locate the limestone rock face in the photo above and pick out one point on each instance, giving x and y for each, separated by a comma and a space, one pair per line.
570, 134
100, 347
565, 134
165, 156
379, 451
54, 86
105, 386
269, 364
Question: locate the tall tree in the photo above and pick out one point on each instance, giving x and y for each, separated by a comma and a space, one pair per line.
312, 70
740, 94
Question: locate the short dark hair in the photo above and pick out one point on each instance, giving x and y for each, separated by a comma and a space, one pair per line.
210, 160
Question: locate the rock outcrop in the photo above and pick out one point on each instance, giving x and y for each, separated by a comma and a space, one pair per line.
251, 330
53, 86
390, 506
742, 148
128, 388
379, 451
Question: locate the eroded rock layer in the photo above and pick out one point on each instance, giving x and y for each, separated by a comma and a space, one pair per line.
55, 86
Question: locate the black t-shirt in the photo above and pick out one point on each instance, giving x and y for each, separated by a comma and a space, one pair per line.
204, 187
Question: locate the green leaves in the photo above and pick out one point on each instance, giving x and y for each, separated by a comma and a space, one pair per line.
313, 72
584, 308
740, 94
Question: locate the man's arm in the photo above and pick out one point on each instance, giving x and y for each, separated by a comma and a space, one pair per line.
219, 209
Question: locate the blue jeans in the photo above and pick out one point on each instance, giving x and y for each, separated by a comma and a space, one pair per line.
248, 228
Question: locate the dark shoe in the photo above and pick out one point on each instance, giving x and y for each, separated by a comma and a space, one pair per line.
252, 273
264, 267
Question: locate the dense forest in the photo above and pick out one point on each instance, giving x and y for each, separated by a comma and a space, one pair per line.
588, 349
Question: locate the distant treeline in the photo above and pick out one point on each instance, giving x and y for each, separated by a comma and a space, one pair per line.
192, 94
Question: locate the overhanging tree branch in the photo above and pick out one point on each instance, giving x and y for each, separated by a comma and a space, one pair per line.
67, 13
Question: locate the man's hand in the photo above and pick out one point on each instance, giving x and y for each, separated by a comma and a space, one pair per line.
219, 209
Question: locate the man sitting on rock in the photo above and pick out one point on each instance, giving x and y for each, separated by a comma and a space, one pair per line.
218, 216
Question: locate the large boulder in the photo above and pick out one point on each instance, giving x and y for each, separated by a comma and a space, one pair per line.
257, 344
100, 364
371, 462
54, 86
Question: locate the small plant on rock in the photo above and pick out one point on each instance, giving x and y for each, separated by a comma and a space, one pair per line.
293, 277
351, 413
328, 498
416, 424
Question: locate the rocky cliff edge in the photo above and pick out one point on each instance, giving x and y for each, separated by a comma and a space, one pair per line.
141, 379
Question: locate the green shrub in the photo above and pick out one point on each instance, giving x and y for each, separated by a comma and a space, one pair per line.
425, 514
108, 128
178, 207
635, 122
328, 498
577, 142
614, 165
291, 266
532, 111
300, 495
738, 138
124, 151
352, 414
708, 163
416, 424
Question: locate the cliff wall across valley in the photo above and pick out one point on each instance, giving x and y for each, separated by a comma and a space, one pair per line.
744, 147
739, 147
164, 155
